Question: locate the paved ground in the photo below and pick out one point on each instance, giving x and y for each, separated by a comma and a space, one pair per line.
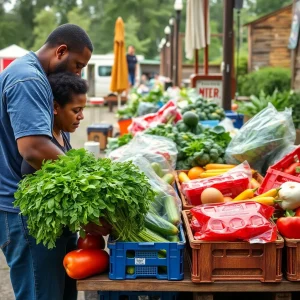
92, 115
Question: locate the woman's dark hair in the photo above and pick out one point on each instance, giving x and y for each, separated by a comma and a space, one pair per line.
66, 84
71, 35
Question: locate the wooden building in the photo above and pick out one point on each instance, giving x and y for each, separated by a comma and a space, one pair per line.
295, 67
268, 39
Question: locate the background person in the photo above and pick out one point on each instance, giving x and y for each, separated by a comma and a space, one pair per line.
131, 62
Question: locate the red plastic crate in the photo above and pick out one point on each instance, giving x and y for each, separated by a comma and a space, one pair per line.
275, 176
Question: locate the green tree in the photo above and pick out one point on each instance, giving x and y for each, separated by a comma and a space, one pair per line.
263, 7
63, 7
131, 29
45, 21
80, 18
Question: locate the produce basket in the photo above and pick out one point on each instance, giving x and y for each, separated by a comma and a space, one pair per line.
185, 203
147, 259
292, 248
230, 261
275, 176
138, 295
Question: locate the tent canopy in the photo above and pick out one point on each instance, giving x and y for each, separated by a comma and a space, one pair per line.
13, 51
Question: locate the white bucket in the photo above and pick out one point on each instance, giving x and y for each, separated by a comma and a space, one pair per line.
93, 147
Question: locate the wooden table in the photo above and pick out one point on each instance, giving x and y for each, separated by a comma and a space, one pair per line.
113, 100
282, 290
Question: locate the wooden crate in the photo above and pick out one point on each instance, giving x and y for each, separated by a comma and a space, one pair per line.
229, 261
292, 251
185, 203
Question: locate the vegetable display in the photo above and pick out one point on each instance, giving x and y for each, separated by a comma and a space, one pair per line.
205, 110
195, 149
77, 189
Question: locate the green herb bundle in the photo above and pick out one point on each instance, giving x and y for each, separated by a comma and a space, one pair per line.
77, 189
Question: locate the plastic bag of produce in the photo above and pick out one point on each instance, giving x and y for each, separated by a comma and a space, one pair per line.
145, 108
262, 136
164, 215
232, 221
167, 114
145, 143
230, 184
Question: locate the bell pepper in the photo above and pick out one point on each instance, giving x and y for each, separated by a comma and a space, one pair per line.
289, 194
289, 226
292, 168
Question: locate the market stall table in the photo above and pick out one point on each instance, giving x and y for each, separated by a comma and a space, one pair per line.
281, 290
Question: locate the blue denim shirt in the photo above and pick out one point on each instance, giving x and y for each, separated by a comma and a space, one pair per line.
26, 108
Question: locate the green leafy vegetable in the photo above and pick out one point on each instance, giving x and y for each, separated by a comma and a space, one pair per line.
77, 189
114, 143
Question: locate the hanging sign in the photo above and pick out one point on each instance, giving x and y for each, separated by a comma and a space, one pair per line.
210, 89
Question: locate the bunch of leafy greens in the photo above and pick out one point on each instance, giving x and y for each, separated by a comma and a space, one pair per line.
77, 189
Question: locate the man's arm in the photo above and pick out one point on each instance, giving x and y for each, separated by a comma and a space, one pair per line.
35, 149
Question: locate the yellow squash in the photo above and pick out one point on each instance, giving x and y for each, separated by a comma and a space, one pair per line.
183, 177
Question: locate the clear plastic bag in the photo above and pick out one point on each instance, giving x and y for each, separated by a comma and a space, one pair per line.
164, 214
145, 108
149, 144
262, 136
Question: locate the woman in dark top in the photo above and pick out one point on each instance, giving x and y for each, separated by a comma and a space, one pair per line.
69, 92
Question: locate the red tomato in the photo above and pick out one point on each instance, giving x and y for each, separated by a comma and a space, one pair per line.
297, 212
289, 227
91, 242
83, 263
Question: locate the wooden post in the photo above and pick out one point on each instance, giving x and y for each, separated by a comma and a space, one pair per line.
206, 8
196, 70
172, 50
227, 53
178, 16
179, 62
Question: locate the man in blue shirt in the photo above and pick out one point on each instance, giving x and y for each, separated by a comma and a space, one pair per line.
26, 116
131, 62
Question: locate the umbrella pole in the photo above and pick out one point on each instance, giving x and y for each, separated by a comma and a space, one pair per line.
119, 100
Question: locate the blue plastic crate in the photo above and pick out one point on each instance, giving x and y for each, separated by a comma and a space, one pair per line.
137, 295
144, 257
210, 123
238, 119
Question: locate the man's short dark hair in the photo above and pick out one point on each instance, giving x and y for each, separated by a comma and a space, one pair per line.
64, 85
71, 35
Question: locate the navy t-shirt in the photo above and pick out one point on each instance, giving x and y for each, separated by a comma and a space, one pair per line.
26, 108
131, 61
26, 168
